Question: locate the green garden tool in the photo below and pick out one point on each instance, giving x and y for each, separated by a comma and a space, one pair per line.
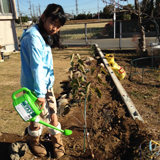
28, 109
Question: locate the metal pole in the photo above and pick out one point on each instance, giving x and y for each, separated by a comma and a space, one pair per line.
76, 8
30, 10
120, 34
39, 10
125, 97
33, 11
114, 20
84, 148
86, 32
19, 13
98, 9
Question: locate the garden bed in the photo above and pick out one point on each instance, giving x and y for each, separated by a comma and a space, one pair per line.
112, 133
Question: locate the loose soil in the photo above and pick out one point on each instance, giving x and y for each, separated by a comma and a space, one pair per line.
111, 132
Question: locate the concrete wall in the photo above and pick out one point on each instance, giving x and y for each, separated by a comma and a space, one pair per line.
8, 36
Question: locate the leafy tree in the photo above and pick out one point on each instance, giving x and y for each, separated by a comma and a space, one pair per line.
24, 18
81, 87
89, 16
128, 6
81, 16
157, 12
143, 14
17, 21
34, 19
107, 11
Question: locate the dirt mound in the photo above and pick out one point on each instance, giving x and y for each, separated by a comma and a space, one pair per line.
111, 133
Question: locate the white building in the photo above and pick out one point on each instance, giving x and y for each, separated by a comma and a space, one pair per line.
8, 36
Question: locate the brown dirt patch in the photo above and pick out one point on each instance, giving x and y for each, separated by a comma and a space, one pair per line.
112, 133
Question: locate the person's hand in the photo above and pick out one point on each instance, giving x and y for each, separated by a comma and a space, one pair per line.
41, 101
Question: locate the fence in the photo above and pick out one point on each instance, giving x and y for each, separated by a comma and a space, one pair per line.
99, 30
148, 67
89, 32
83, 31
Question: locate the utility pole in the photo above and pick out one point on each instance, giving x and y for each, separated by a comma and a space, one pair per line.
98, 9
19, 14
33, 10
36, 12
39, 10
30, 10
76, 8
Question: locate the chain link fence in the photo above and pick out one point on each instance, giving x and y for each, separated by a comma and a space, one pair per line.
89, 32
83, 31
99, 30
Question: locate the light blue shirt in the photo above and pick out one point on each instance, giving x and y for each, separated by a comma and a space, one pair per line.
36, 62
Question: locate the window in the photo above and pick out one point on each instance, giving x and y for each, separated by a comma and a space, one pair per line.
5, 6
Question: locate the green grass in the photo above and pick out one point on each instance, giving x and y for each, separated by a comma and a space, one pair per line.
140, 96
19, 31
10, 80
76, 31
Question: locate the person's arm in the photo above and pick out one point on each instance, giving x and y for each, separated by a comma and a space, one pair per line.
37, 67
41, 102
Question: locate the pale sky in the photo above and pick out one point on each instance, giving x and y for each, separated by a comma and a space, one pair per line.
69, 6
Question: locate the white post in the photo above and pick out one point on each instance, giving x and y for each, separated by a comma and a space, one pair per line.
85, 32
120, 34
114, 20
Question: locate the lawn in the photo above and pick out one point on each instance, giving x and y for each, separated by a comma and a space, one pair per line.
76, 31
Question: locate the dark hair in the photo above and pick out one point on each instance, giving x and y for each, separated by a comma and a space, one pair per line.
56, 12
55, 41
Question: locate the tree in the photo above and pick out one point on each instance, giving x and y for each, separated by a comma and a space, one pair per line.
24, 18
108, 11
17, 20
128, 6
158, 7
147, 15
34, 19
144, 12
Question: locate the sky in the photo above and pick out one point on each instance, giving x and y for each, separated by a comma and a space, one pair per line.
69, 6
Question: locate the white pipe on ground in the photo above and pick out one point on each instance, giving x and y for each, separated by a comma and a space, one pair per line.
128, 102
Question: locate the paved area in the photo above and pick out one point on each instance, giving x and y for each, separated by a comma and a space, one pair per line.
124, 43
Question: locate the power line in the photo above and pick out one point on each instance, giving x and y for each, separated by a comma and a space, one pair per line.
24, 13
22, 4
81, 4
